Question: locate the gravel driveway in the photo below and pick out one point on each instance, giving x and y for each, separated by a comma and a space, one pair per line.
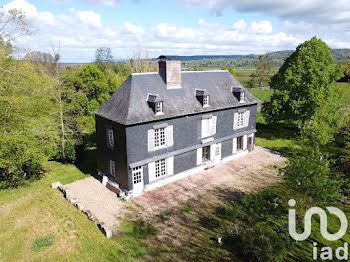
245, 174
103, 203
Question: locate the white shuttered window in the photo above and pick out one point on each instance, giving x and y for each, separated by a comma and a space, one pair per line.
112, 167
110, 138
160, 168
159, 138
241, 119
209, 126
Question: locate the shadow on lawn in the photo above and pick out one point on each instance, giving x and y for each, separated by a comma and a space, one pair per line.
276, 131
228, 196
86, 161
278, 137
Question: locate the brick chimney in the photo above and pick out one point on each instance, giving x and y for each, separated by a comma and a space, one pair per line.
170, 71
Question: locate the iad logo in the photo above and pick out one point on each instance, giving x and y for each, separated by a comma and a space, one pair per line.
326, 252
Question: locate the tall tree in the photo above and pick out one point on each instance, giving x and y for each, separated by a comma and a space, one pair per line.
13, 24
346, 67
103, 56
57, 75
303, 85
263, 70
140, 62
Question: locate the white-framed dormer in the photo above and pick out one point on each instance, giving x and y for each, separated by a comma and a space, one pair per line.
239, 93
155, 103
203, 97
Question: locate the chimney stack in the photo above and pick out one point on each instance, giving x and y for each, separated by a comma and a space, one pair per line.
170, 71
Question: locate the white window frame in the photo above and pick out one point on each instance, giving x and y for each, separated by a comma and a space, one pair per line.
160, 168
110, 138
158, 107
206, 101
160, 136
208, 126
112, 167
137, 174
240, 120
242, 97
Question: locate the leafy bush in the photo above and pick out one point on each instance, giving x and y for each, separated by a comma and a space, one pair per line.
262, 243
20, 159
232, 233
309, 172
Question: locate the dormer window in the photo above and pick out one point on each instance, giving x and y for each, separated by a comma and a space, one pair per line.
159, 108
239, 93
205, 101
155, 103
202, 97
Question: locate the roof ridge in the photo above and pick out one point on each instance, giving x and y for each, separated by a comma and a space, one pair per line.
129, 98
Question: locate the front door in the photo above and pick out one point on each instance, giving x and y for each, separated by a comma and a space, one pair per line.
218, 152
137, 179
206, 154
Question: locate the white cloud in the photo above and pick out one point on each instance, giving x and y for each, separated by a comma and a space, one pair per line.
80, 32
111, 3
263, 27
29, 9
315, 11
87, 17
133, 29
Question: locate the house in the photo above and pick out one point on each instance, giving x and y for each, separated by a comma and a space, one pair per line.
159, 127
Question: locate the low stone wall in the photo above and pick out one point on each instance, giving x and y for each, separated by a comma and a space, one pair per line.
68, 195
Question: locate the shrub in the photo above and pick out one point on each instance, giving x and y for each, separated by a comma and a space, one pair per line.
20, 159
262, 243
309, 172
232, 234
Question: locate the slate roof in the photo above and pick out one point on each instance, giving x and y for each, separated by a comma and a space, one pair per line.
128, 105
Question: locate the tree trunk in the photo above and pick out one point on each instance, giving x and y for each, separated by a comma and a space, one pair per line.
63, 134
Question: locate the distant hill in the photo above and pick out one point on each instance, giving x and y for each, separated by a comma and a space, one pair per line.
277, 58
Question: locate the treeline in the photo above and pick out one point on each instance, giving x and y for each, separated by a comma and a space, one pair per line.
276, 59
46, 109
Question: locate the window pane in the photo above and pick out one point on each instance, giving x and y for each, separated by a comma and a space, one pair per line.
160, 168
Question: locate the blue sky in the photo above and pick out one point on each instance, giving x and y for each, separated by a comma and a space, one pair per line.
180, 27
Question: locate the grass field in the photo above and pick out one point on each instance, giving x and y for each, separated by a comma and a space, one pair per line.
38, 224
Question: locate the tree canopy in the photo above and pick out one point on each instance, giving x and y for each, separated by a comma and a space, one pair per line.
303, 86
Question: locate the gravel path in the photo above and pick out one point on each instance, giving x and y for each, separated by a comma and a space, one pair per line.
103, 203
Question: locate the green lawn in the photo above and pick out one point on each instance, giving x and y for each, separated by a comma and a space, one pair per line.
38, 224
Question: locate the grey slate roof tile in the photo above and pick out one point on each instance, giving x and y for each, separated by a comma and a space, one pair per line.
128, 105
